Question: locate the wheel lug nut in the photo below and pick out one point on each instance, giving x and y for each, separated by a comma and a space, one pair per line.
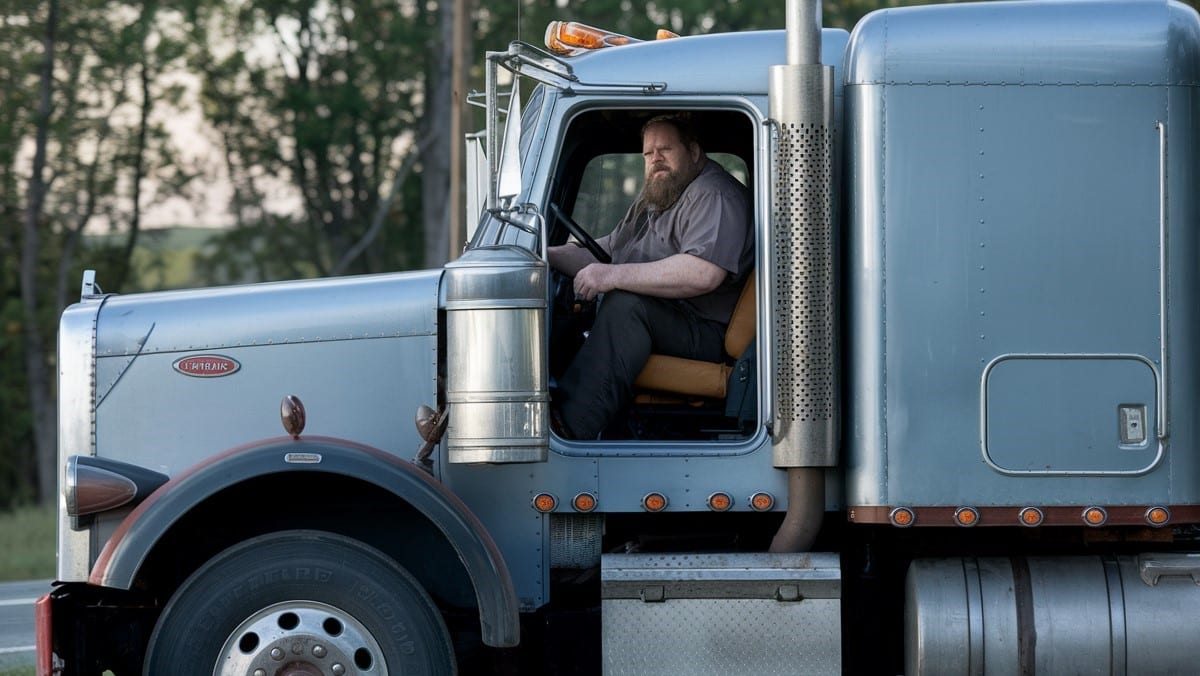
338, 669
260, 672
276, 654
318, 651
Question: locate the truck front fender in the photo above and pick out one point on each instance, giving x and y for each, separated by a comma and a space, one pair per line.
126, 551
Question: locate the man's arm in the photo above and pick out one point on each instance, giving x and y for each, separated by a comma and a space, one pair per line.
678, 276
569, 258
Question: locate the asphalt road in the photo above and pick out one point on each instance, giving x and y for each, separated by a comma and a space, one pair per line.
16, 622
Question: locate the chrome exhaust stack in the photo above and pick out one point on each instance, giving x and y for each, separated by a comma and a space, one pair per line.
804, 394
801, 247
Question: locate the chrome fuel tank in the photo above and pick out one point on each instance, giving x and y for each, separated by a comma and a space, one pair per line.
1137, 614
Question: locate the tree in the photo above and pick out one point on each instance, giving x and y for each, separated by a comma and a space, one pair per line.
325, 108
92, 148
40, 398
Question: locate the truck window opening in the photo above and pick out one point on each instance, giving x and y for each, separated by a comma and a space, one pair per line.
601, 172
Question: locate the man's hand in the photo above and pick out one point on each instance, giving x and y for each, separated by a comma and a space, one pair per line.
595, 279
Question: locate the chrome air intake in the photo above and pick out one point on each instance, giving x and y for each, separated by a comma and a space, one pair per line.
801, 249
496, 390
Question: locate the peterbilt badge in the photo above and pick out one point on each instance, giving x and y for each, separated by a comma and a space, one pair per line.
206, 366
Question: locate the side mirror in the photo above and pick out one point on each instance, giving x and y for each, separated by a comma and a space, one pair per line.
508, 182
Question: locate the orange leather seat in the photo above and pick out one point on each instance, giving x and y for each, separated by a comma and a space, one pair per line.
697, 378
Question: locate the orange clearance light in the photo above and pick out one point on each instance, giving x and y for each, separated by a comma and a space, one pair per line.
902, 517
569, 37
654, 502
966, 516
1158, 516
544, 502
664, 34
762, 501
1095, 516
1031, 516
720, 502
584, 502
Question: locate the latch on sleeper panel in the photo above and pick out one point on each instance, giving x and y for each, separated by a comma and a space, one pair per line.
1132, 424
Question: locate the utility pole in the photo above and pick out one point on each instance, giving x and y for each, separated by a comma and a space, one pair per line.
458, 79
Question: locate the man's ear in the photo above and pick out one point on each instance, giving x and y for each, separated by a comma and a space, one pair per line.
695, 151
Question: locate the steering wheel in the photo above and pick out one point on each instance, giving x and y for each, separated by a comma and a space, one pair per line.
580, 234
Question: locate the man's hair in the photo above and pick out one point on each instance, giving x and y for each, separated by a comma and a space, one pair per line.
681, 123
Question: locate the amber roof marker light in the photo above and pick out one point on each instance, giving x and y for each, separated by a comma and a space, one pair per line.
571, 37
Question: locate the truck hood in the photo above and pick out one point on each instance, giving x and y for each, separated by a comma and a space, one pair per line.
343, 308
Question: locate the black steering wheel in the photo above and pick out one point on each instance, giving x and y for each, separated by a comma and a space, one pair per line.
580, 234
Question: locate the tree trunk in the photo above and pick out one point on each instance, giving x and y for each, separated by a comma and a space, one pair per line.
40, 398
435, 160
139, 161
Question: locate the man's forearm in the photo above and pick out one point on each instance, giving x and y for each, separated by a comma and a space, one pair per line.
678, 276
569, 258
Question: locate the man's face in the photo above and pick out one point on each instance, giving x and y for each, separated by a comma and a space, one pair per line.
670, 165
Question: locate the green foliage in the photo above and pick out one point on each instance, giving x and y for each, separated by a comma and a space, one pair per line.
27, 544
16, 463
327, 108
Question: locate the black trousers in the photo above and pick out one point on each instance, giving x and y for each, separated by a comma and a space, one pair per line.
628, 329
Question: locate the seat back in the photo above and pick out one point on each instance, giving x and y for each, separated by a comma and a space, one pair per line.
701, 378
741, 327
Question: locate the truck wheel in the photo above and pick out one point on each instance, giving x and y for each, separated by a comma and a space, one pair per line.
300, 603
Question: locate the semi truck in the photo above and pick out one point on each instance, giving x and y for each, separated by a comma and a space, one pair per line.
954, 433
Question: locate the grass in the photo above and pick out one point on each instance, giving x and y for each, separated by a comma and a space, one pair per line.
27, 544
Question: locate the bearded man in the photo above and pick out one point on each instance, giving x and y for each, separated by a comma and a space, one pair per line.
679, 259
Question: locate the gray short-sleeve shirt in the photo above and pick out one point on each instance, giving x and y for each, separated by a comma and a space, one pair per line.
710, 220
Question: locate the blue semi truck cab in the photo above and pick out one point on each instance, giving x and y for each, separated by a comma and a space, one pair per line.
953, 433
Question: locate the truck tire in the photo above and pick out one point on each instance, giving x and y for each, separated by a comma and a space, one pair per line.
296, 603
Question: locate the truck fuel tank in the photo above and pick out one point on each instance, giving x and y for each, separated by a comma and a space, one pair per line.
1130, 614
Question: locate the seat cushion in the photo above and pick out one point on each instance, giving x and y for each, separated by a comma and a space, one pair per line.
684, 376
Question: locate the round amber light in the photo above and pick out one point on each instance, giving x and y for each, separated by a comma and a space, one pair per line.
966, 516
1031, 516
544, 502
761, 502
903, 517
1158, 516
584, 502
654, 502
1095, 516
720, 502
